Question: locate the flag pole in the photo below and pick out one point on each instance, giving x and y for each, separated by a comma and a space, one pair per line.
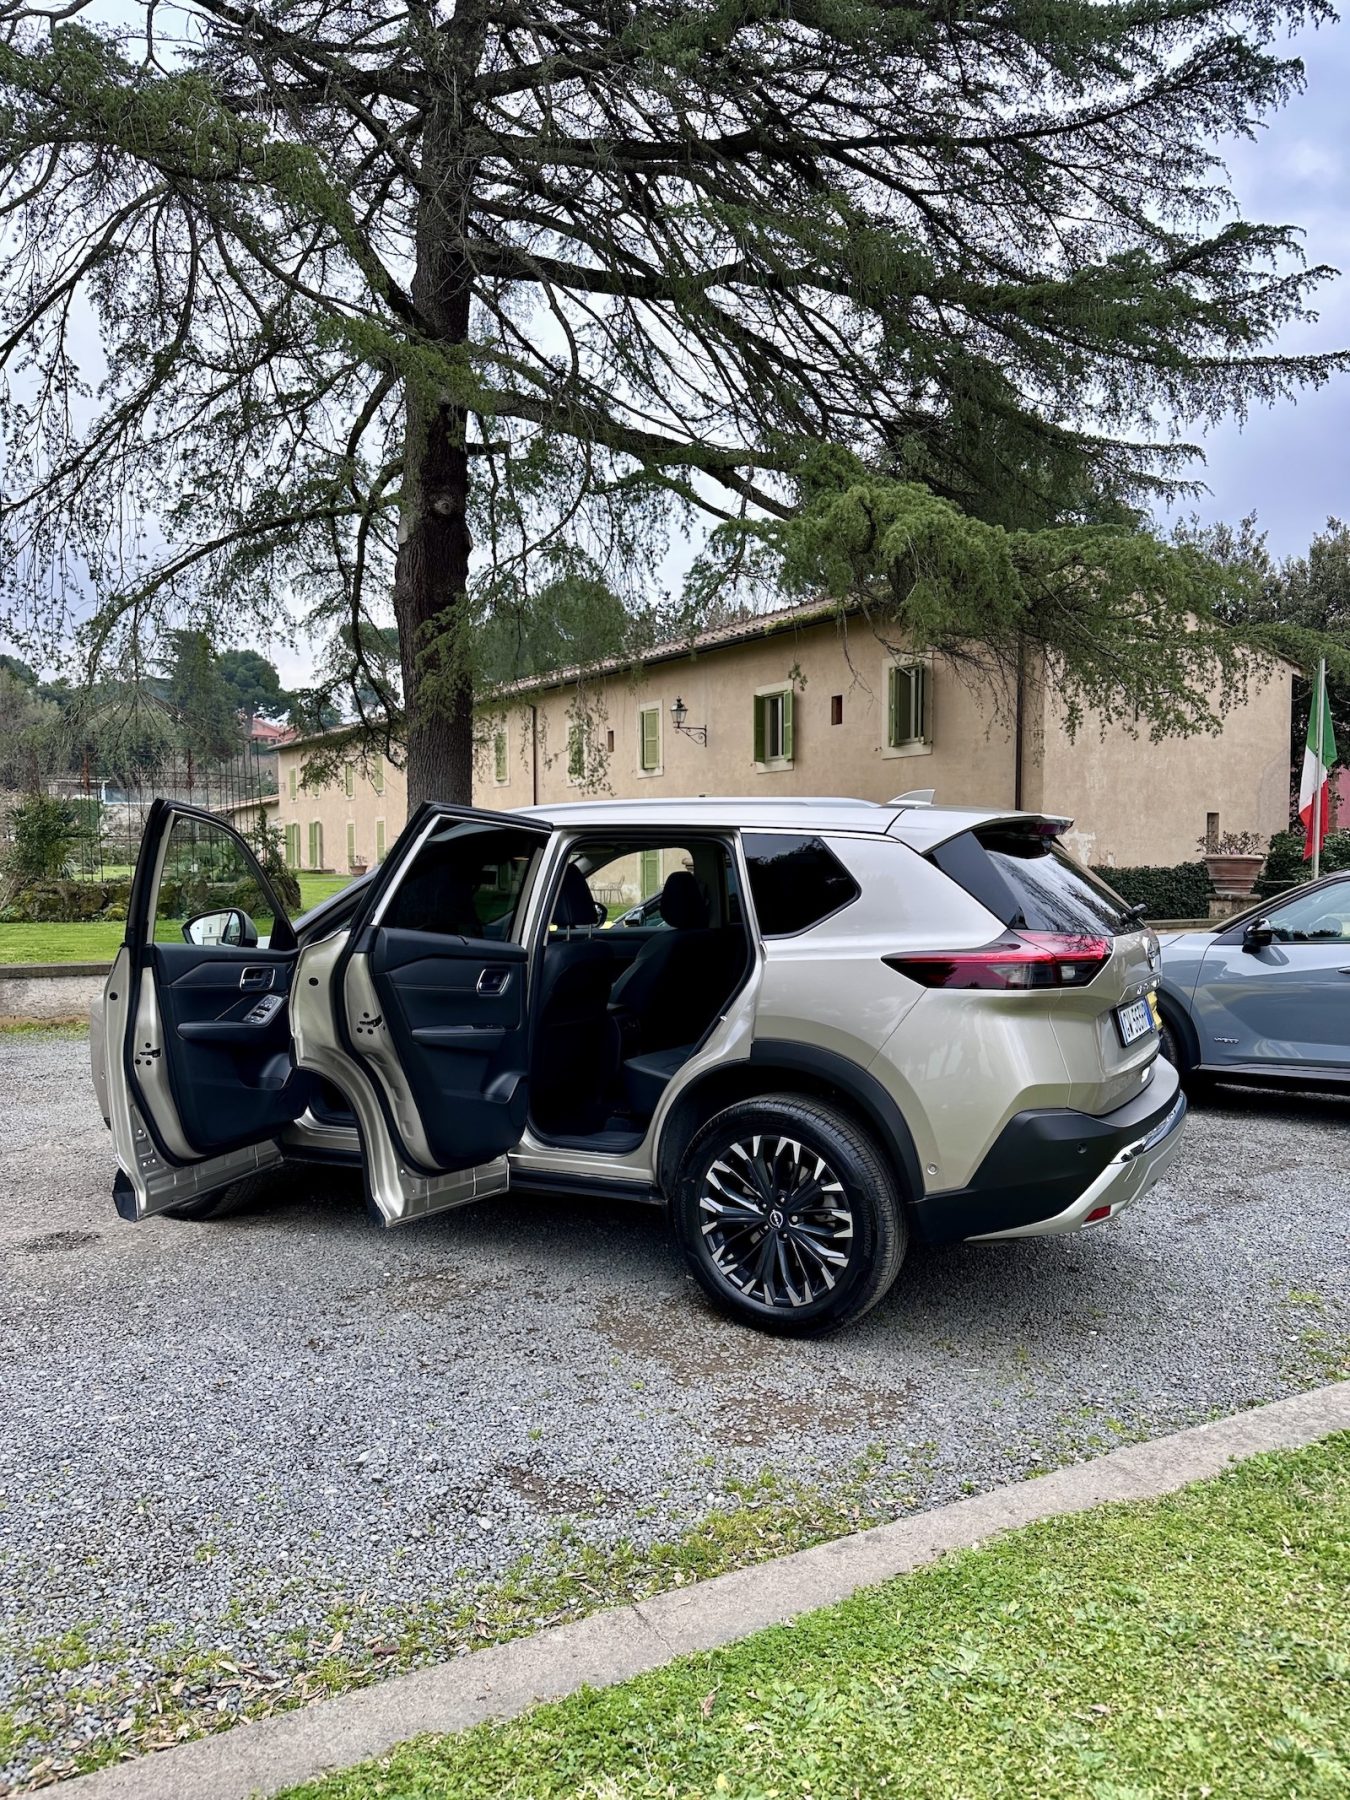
1320, 775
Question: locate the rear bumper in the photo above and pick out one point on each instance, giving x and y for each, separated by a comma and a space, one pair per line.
1048, 1170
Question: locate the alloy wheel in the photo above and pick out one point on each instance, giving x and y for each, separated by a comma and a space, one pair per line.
776, 1222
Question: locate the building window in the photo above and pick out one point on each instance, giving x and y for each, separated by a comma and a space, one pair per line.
576, 751
649, 872
836, 709
773, 728
1211, 831
292, 845
909, 724
315, 844
649, 739
499, 755
292, 780
377, 775
351, 843
348, 779
379, 840
609, 740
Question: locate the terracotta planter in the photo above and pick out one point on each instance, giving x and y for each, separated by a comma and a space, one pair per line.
1234, 877
359, 867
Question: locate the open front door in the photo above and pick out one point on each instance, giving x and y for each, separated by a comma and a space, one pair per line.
418, 1013
196, 1017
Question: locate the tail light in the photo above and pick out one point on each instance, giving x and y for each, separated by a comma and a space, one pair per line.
1019, 959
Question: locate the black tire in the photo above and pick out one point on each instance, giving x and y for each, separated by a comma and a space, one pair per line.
1176, 1049
239, 1197
802, 1246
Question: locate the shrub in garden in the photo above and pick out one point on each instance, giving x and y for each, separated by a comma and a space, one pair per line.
43, 833
1181, 891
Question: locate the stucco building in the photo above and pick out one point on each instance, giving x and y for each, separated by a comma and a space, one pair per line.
802, 702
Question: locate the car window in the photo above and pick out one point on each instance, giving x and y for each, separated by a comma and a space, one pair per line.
1317, 918
465, 881
1030, 882
795, 881
207, 880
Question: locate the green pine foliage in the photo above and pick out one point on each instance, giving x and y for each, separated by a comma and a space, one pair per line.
390, 304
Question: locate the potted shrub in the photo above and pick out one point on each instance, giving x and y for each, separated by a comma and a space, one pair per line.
1234, 861
358, 865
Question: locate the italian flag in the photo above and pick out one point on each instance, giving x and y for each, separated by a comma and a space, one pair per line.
1314, 791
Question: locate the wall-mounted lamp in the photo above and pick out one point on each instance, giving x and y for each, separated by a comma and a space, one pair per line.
679, 712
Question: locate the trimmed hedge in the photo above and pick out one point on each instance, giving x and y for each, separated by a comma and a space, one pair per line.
1180, 892
1285, 867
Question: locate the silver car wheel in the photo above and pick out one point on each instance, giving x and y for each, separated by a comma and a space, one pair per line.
776, 1222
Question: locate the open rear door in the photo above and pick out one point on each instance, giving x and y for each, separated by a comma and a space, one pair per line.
418, 1012
196, 1017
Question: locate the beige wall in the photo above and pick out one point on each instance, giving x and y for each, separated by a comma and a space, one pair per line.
1132, 801
335, 809
970, 760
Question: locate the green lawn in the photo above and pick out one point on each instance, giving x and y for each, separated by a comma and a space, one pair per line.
1196, 1646
97, 940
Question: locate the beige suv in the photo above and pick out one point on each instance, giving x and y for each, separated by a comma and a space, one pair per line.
842, 1027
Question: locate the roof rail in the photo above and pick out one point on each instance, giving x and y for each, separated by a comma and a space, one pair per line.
916, 797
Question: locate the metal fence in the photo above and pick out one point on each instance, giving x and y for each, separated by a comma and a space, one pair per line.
111, 816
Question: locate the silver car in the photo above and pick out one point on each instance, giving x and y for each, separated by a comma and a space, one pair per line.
1264, 997
855, 1025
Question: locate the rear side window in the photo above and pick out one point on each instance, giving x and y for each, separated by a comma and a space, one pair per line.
465, 881
1030, 882
794, 881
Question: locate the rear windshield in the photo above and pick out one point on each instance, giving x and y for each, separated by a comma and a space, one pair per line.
1031, 883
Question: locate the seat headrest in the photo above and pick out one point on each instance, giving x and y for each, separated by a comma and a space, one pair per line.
682, 902
575, 904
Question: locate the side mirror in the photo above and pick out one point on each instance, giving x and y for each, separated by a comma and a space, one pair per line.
601, 913
231, 925
1257, 935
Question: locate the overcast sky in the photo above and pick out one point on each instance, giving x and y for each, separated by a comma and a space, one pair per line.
1288, 464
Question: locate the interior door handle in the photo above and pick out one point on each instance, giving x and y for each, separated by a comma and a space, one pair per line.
253, 977
493, 981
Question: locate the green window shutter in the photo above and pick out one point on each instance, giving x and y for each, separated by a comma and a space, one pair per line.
351, 843
576, 752
761, 713
923, 725
650, 718
348, 780
499, 756
379, 840
649, 871
313, 845
292, 778
377, 775
787, 725
893, 708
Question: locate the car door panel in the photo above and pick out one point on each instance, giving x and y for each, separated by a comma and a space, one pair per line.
196, 1093
421, 1027
455, 1009
233, 1079
1282, 1003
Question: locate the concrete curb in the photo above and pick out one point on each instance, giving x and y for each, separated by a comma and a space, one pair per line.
611, 1646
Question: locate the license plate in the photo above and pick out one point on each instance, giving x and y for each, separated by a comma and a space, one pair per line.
1134, 1021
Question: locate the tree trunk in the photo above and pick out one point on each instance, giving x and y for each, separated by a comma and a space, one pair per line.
431, 573
430, 605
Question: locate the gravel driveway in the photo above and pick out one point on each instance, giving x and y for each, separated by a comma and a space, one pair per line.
230, 1446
